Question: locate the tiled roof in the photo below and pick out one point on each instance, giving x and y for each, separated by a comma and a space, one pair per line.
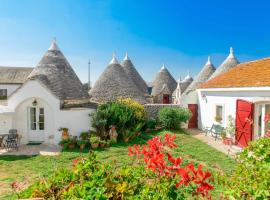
250, 74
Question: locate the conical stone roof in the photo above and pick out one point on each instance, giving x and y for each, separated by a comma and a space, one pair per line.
114, 83
57, 75
230, 62
162, 78
134, 75
202, 77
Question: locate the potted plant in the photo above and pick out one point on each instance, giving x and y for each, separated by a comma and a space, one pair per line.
84, 135
94, 141
72, 142
81, 144
230, 128
102, 143
64, 143
65, 134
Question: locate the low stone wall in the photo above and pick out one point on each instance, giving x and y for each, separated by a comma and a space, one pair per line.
153, 109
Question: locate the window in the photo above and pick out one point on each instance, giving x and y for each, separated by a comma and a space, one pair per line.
3, 94
219, 113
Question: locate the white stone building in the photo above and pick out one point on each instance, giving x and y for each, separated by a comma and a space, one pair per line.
37, 102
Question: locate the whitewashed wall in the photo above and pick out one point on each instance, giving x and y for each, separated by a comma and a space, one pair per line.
190, 98
10, 87
77, 120
227, 98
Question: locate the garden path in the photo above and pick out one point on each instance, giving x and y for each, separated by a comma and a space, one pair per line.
227, 149
29, 150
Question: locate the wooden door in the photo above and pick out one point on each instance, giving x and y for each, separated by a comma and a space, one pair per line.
166, 99
244, 122
193, 122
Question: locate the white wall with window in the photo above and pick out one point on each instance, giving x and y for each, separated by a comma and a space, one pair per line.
213, 102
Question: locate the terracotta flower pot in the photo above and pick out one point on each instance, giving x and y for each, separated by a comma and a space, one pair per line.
71, 146
82, 146
94, 145
102, 145
65, 135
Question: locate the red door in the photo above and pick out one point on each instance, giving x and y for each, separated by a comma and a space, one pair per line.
244, 122
193, 122
166, 98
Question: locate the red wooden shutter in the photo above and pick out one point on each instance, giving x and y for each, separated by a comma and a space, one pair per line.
244, 122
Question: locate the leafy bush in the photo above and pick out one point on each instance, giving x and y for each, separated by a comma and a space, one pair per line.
172, 118
93, 179
127, 115
250, 180
150, 123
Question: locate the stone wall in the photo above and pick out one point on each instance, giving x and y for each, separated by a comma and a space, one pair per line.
153, 109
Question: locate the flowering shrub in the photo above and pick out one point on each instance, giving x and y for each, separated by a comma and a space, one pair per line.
154, 155
250, 180
172, 118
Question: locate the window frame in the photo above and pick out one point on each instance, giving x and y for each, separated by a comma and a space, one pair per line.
222, 113
2, 97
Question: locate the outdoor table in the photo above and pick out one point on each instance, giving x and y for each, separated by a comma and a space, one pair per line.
2, 136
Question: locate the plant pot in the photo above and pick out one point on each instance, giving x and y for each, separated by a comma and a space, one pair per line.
65, 135
82, 146
102, 145
71, 146
94, 145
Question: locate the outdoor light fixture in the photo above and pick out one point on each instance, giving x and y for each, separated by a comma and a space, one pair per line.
204, 98
34, 103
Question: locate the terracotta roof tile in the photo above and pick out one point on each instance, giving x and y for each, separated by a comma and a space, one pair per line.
250, 74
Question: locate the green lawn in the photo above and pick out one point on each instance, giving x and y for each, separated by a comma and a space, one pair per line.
29, 168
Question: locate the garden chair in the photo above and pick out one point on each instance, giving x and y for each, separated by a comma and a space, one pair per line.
12, 140
215, 131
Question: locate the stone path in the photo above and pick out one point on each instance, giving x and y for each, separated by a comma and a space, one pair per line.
227, 149
30, 150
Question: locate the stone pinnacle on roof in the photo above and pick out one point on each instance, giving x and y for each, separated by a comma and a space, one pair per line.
188, 77
53, 46
126, 56
230, 62
114, 59
163, 67
163, 77
134, 75
114, 83
207, 70
55, 72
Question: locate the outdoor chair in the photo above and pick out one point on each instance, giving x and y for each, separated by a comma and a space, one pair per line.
215, 131
11, 142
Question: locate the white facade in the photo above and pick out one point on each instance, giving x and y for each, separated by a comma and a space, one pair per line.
41, 122
225, 99
9, 87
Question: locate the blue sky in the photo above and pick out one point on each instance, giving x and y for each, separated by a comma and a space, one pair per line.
180, 33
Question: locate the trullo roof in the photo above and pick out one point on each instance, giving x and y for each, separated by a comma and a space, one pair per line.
230, 62
55, 72
162, 78
114, 83
134, 75
202, 77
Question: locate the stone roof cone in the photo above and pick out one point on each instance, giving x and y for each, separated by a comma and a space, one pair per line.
162, 78
134, 75
202, 77
114, 83
230, 62
55, 72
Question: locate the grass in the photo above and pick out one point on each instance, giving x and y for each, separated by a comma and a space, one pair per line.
29, 168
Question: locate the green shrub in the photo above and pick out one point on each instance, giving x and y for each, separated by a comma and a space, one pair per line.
251, 179
92, 179
127, 115
150, 123
172, 118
